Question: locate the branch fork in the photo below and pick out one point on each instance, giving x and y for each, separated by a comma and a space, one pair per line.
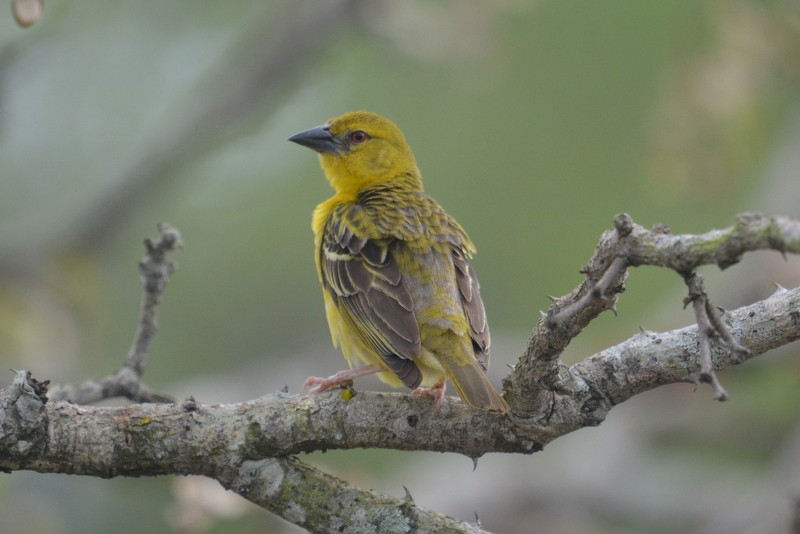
154, 269
630, 245
255, 442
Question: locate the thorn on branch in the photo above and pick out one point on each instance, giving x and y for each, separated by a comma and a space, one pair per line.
779, 288
190, 405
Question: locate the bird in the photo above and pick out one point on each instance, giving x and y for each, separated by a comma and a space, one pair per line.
401, 297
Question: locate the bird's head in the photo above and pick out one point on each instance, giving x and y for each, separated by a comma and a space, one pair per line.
360, 149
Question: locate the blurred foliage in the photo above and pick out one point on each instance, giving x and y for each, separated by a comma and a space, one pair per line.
533, 122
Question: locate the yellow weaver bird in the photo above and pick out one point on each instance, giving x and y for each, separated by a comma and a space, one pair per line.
400, 294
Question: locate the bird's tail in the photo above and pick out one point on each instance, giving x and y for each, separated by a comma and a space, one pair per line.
473, 386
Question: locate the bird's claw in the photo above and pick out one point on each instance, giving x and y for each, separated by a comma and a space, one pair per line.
318, 384
437, 392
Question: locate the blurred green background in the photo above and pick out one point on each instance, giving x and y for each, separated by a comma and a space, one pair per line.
533, 122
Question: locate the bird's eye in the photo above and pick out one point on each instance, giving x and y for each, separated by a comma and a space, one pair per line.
358, 137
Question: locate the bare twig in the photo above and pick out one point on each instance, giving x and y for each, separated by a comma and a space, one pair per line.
155, 270
539, 372
598, 291
710, 326
714, 317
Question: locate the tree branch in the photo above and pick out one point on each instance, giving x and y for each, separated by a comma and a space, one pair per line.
248, 446
538, 373
282, 424
321, 503
155, 270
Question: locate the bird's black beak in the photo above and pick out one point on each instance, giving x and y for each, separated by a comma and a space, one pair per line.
319, 139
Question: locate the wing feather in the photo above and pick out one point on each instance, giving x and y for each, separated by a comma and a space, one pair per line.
473, 307
364, 280
396, 322
360, 272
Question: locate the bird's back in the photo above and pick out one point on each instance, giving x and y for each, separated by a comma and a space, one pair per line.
423, 241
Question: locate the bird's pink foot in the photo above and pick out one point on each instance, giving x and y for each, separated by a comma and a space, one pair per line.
437, 392
318, 384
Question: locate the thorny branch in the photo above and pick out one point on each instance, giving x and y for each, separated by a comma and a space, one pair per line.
226, 441
254, 442
155, 270
709, 327
631, 245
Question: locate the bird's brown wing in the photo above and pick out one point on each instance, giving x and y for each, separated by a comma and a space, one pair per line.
473, 307
362, 277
